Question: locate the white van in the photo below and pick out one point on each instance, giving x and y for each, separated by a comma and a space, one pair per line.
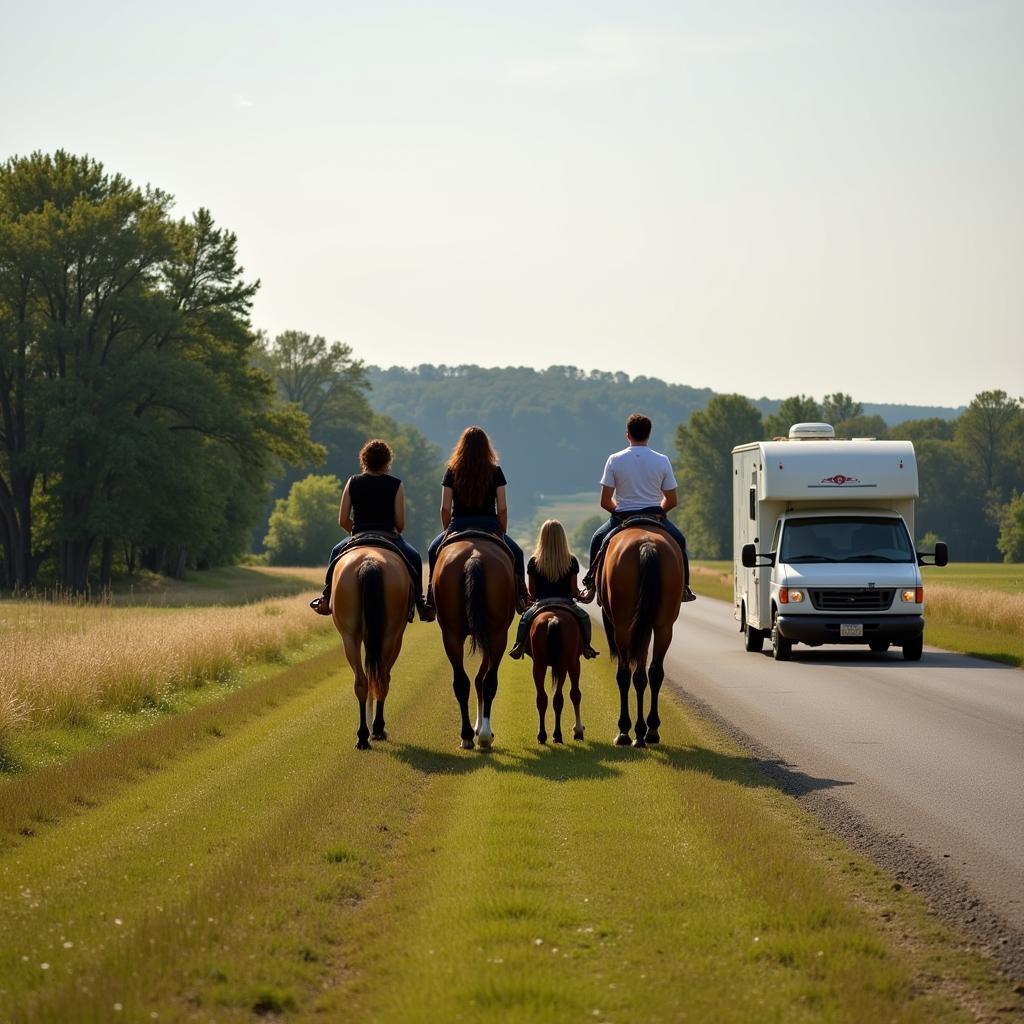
823, 543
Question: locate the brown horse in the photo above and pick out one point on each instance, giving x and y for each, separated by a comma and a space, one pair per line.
475, 597
370, 595
641, 587
555, 642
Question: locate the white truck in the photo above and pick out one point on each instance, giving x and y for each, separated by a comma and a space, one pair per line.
823, 543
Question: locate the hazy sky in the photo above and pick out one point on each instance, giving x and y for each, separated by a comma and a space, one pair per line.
760, 197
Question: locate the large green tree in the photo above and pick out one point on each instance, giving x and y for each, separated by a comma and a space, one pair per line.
125, 373
704, 446
795, 409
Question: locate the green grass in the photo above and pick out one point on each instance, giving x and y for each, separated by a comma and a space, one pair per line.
1002, 576
236, 584
569, 509
270, 868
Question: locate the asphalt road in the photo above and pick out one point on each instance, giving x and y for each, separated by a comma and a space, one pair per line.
932, 752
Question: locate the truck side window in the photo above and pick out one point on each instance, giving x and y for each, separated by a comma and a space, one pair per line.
775, 537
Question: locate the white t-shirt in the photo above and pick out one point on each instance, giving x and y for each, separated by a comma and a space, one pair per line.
640, 477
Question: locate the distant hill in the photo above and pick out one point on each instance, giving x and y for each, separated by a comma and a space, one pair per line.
553, 427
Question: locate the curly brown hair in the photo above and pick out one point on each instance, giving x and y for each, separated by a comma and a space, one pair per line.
375, 455
472, 464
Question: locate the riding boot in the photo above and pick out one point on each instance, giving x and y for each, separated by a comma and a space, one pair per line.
522, 595
428, 601
425, 606
322, 604
688, 594
589, 652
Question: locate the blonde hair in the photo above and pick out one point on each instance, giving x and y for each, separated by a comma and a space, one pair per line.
552, 553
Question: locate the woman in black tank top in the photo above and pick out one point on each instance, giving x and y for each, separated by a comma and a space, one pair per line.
374, 501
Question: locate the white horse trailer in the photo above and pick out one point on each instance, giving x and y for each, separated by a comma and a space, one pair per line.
823, 543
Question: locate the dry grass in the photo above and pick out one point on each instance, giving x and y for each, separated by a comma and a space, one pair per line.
60, 663
987, 609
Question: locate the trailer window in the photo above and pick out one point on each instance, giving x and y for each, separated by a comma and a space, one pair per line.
846, 539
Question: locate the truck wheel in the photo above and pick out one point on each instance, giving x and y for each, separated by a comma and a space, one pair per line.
753, 639
879, 646
913, 649
781, 647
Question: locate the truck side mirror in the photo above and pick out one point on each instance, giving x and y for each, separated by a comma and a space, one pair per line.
940, 554
750, 559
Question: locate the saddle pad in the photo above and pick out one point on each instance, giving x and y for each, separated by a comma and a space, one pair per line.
378, 540
451, 538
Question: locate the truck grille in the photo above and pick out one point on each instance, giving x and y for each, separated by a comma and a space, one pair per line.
852, 599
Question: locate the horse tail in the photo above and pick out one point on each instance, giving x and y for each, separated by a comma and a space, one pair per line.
370, 578
555, 647
648, 599
476, 603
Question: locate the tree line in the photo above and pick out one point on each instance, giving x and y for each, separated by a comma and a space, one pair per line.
143, 422
971, 469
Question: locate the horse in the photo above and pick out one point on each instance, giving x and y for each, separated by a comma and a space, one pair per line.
641, 587
475, 598
555, 642
370, 600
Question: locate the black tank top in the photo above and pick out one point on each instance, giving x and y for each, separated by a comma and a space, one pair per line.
373, 501
543, 588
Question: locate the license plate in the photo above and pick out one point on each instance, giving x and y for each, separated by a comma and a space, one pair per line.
851, 629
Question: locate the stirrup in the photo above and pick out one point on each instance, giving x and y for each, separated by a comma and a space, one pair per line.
589, 652
688, 595
321, 605
518, 650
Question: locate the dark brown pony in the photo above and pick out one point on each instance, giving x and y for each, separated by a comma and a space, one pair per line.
474, 593
370, 594
556, 643
641, 586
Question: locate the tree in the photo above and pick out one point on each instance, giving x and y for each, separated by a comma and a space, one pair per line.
125, 370
304, 526
582, 534
861, 426
795, 409
931, 429
1011, 529
989, 430
838, 407
704, 447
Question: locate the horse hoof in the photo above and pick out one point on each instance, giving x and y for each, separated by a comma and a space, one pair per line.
542, 737
653, 736
558, 738
622, 740
381, 736
467, 744
363, 745
484, 742
577, 734
639, 742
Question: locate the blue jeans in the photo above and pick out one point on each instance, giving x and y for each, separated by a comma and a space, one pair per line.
400, 542
489, 524
670, 528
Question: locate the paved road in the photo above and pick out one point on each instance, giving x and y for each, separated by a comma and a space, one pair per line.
933, 750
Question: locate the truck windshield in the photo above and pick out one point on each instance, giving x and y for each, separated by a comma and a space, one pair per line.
845, 539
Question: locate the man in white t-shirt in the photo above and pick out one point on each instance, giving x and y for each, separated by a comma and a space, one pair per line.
639, 479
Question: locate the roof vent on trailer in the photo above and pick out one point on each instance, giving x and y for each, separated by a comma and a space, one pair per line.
812, 432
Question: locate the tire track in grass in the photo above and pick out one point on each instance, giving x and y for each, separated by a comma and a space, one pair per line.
111, 900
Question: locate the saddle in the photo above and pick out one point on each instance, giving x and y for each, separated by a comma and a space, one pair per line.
496, 538
369, 539
626, 521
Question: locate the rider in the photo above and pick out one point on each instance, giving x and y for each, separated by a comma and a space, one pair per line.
473, 498
552, 573
374, 502
638, 480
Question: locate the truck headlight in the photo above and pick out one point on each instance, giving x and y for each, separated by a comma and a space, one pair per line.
913, 596
796, 596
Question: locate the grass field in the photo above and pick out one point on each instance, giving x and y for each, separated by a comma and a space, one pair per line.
569, 509
976, 608
72, 672
256, 864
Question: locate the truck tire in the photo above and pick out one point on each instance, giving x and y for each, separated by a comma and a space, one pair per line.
753, 639
879, 646
913, 649
782, 648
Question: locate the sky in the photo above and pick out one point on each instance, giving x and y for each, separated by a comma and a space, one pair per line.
767, 198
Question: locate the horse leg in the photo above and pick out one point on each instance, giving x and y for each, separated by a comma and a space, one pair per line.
489, 685
640, 685
575, 697
362, 689
558, 703
453, 647
540, 670
656, 677
379, 732
622, 678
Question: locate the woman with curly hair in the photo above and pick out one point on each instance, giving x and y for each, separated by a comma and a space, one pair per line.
473, 498
373, 501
